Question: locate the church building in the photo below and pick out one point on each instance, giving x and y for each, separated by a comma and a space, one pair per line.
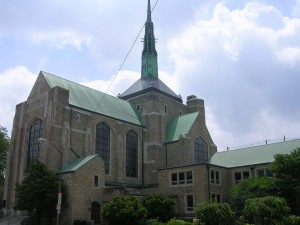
142, 142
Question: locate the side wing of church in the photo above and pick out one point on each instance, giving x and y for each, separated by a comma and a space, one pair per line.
142, 142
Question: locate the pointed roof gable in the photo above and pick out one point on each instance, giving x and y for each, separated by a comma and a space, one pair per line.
180, 125
77, 163
149, 84
253, 155
89, 99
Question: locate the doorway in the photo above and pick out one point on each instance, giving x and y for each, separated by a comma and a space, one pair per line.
95, 212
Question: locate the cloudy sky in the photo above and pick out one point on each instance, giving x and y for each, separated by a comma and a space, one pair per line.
242, 57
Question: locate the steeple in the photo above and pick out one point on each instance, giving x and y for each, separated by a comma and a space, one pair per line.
149, 54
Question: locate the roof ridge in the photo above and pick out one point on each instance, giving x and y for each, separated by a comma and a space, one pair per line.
261, 145
79, 84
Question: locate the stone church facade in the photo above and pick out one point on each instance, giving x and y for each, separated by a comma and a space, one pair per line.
142, 142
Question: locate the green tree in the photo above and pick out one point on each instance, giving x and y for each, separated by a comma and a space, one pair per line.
251, 188
266, 210
159, 206
286, 169
38, 192
213, 213
124, 210
4, 146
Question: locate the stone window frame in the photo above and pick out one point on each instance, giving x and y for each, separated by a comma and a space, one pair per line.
216, 196
216, 179
34, 146
96, 181
131, 164
242, 173
188, 208
106, 159
200, 149
181, 182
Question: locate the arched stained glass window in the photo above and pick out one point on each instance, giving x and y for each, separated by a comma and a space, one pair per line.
200, 151
131, 154
103, 144
35, 133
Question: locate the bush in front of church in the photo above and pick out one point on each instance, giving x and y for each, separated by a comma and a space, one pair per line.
124, 210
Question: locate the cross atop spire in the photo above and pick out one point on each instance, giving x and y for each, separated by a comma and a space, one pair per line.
149, 12
149, 54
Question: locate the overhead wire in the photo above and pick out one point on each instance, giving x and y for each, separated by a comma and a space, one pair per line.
123, 62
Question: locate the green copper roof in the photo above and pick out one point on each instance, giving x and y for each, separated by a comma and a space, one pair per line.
180, 125
77, 163
253, 155
89, 99
149, 54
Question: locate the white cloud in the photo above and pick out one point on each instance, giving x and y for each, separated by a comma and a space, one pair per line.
242, 61
116, 84
15, 86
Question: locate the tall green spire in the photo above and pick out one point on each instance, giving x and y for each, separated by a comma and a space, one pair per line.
149, 54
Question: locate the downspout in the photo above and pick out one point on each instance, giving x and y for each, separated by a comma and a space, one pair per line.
70, 121
143, 148
166, 155
208, 181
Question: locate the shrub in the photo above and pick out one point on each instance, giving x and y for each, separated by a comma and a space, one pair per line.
124, 210
267, 209
159, 206
81, 222
178, 222
213, 213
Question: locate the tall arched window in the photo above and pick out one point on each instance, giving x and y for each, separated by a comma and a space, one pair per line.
103, 144
33, 143
200, 151
131, 154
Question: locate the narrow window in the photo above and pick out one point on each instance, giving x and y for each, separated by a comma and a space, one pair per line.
138, 107
96, 181
189, 202
214, 177
174, 179
103, 144
33, 144
216, 197
131, 154
166, 109
189, 177
200, 151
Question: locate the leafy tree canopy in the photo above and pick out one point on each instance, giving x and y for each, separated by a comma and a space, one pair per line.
213, 213
286, 168
124, 210
251, 188
38, 191
269, 209
159, 206
4, 146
